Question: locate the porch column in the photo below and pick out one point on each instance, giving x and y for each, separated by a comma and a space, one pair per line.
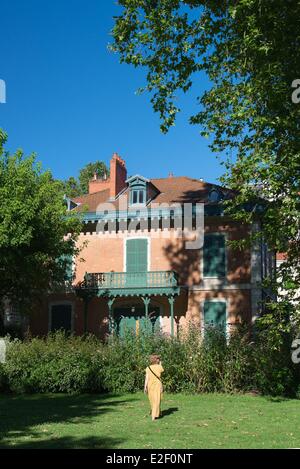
171, 302
146, 301
111, 325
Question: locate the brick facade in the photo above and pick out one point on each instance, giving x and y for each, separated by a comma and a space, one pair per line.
106, 252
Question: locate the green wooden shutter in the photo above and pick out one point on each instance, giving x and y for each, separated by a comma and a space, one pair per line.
214, 255
69, 267
67, 261
137, 255
215, 314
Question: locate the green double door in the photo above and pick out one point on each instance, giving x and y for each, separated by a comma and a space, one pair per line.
132, 319
136, 262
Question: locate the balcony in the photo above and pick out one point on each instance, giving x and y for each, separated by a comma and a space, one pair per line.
131, 283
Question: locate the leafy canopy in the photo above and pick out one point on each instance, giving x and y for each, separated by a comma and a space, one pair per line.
249, 49
74, 187
37, 237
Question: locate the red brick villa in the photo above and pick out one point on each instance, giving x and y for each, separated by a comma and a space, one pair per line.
137, 262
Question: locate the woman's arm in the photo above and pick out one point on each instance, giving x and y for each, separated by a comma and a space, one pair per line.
146, 383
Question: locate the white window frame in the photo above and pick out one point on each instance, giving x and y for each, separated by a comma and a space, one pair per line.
138, 203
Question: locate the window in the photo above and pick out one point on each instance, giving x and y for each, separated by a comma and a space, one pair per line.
136, 262
214, 257
67, 262
12, 315
137, 255
61, 317
214, 314
138, 189
138, 196
214, 195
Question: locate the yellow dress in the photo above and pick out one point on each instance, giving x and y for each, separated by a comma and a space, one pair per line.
154, 389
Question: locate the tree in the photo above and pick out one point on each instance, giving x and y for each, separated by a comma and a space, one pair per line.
87, 173
75, 187
71, 187
250, 51
37, 236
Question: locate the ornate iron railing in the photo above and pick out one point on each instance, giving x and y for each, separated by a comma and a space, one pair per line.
111, 280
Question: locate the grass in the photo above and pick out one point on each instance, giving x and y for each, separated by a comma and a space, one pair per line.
108, 421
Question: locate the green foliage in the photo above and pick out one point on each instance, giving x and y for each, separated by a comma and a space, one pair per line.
192, 364
36, 235
275, 372
73, 187
3, 379
88, 171
248, 50
55, 364
126, 359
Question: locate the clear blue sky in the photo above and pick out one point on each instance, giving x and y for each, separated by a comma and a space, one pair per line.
70, 101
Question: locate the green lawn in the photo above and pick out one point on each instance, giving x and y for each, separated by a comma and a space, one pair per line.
107, 421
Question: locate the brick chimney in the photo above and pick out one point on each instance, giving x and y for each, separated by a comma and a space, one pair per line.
98, 184
115, 183
118, 175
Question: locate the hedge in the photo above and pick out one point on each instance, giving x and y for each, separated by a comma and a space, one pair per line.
215, 363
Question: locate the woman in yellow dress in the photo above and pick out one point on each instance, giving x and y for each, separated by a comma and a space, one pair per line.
153, 384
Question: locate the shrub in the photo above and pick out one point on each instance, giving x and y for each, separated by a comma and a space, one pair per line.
55, 364
239, 367
3, 379
274, 371
192, 363
126, 358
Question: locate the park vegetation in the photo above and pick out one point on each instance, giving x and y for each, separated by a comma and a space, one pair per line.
193, 363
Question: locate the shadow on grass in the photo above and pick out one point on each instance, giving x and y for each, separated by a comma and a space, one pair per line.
67, 442
278, 399
169, 411
20, 413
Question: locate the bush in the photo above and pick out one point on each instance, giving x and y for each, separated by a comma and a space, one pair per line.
274, 371
3, 379
55, 364
192, 364
126, 358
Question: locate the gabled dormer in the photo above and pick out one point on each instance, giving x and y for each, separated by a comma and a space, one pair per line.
138, 190
215, 195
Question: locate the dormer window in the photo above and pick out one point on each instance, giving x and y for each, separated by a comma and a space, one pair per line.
215, 195
138, 196
138, 190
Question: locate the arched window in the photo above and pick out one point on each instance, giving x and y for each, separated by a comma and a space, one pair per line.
215, 195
